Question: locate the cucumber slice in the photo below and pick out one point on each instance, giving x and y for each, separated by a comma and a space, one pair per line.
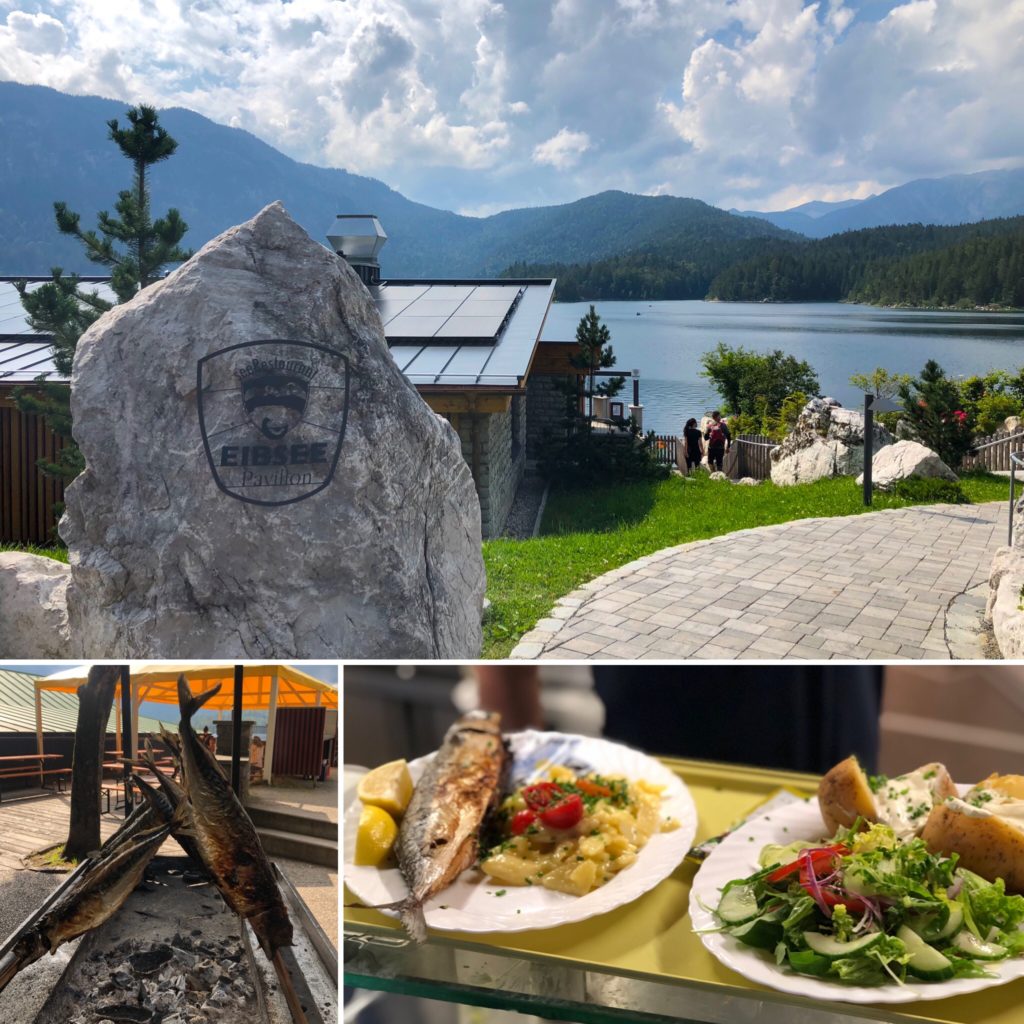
925, 962
739, 904
832, 949
762, 933
970, 945
955, 922
934, 924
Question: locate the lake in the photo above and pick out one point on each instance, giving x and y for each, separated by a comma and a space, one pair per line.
666, 340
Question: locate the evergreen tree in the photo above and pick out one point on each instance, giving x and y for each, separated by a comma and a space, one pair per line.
134, 247
932, 404
595, 353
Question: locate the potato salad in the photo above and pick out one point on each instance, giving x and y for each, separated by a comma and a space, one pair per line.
573, 833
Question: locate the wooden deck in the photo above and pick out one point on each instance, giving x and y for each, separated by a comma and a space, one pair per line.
36, 819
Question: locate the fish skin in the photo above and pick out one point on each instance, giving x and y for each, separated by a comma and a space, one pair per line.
97, 894
176, 797
226, 838
438, 838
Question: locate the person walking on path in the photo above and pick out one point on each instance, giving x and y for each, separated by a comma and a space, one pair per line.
693, 444
719, 441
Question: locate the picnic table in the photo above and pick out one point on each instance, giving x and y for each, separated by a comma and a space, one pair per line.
24, 766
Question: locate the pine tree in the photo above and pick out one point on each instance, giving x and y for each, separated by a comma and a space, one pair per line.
595, 353
933, 405
131, 244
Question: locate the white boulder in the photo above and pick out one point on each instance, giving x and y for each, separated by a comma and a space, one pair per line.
906, 459
33, 606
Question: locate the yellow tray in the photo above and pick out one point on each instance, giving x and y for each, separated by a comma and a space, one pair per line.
649, 940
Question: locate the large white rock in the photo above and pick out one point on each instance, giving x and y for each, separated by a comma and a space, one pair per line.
1005, 600
817, 460
906, 459
255, 543
33, 606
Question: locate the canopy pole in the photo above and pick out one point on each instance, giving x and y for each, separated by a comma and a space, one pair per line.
268, 753
39, 730
125, 735
236, 733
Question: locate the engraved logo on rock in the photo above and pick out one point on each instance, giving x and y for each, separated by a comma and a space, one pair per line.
272, 415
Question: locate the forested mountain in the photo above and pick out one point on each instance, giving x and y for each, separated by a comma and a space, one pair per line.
840, 267
973, 264
956, 199
54, 146
979, 272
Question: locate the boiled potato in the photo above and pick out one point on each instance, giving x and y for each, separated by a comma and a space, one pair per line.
989, 845
844, 796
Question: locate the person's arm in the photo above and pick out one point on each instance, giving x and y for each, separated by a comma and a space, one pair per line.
513, 691
728, 435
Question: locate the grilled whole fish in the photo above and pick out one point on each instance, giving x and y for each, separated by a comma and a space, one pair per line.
174, 797
96, 895
225, 838
439, 835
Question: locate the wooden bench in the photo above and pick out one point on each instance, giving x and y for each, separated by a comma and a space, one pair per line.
32, 773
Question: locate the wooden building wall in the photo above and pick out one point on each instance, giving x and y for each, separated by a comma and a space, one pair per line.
27, 495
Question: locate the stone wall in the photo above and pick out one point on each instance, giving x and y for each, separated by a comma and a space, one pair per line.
545, 396
496, 468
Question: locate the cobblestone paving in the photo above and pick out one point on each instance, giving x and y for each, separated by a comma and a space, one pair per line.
899, 583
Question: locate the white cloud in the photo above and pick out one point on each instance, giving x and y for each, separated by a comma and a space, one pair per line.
563, 150
466, 103
36, 33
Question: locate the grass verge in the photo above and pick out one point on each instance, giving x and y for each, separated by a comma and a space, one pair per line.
57, 553
587, 533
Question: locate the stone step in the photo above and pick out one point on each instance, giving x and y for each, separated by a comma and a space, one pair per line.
292, 822
311, 849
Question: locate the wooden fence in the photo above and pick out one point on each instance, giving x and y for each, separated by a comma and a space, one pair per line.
751, 458
665, 448
27, 495
996, 456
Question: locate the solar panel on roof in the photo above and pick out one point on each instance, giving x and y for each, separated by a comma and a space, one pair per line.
471, 328
405, 326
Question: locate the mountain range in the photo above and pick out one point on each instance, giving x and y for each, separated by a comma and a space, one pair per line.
54, 146
956, 199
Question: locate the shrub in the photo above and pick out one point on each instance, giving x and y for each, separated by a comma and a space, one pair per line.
928, 489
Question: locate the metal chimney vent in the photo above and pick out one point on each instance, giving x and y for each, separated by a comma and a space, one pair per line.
358, 238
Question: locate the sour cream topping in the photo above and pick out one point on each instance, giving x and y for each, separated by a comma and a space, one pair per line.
904, 802
981, 802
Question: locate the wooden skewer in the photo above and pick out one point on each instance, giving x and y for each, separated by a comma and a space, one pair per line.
285, 980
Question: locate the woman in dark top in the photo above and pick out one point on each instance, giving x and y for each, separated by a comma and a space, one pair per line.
693, 444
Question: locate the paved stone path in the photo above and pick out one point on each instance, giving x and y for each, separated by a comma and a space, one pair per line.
898, 583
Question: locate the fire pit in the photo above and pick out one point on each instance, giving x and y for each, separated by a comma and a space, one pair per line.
173, 954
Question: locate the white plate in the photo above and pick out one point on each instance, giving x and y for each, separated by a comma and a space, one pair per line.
736, 857
470, 903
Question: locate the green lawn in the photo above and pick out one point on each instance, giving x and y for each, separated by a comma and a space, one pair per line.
60, 554
585, 534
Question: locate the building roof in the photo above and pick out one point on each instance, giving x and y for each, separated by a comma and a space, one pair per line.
158, 682
25, 355
60, 710
461, 334
442, 334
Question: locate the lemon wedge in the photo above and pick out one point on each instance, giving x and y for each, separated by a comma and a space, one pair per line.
375, 837
388, 787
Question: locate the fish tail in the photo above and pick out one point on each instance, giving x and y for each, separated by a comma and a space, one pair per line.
409, 909
412, 917
188, 704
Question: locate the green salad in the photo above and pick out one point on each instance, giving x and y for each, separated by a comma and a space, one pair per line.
867, 908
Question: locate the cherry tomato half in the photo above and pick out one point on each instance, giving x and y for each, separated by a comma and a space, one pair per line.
541, 795
522, 820
565, 814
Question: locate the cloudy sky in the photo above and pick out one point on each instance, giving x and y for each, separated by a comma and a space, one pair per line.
477, 105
